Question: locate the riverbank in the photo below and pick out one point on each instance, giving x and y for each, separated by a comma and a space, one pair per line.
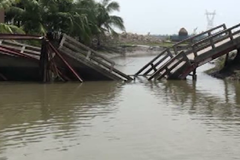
229, 72
133, 50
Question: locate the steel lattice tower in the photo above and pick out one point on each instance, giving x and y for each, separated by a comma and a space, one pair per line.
210, 19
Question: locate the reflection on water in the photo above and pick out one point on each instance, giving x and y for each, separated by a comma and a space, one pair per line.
185, 95
35, 114
108, 120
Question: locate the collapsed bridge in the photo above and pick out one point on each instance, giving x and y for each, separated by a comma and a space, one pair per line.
175, 63
70, 60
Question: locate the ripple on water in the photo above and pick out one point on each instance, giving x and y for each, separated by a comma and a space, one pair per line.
45, 118
105, 120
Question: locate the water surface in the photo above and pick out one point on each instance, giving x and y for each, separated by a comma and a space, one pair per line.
167, 120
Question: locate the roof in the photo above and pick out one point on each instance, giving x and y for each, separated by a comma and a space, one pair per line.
183, 31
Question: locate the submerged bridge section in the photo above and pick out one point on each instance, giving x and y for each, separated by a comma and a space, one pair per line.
69, 60
178, 61
88, 58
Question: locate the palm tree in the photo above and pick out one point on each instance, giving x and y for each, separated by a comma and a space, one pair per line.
6, 3
5, 28
40, 16
83, 19
57, 15
26, 14
105, 21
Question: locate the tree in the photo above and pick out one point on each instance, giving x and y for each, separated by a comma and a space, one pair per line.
4, 28
40, 16
26, 14
58, 15
105, 21
6, 3
82, 19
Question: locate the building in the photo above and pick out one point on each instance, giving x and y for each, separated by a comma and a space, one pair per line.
182, 34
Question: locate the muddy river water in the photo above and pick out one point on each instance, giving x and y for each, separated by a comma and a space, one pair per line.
141, 120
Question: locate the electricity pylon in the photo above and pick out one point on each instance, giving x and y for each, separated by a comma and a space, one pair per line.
210, 19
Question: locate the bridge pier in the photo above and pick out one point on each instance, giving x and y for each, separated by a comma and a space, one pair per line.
44, 63
194, 75
226, 60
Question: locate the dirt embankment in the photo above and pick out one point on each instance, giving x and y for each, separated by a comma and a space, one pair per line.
230, 70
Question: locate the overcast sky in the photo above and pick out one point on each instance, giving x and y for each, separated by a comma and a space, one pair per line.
168, 16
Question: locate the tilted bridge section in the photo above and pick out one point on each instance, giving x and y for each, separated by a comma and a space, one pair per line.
69, 60
178, 61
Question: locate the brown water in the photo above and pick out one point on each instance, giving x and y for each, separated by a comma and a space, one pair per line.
174, 120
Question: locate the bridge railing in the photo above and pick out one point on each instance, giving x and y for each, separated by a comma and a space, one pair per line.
179, 60
200, 47
170, 52
86, 51
21, 48
221, 37
153, 64
71, 46
6, 36
191, 40
181, 57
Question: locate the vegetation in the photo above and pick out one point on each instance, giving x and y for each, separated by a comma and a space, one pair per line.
83, 19
6, 3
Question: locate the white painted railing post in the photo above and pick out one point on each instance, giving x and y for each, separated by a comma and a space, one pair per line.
62, 41
22, 49
88, 55
230, 35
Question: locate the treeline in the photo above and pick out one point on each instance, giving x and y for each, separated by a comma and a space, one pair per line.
82, 19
